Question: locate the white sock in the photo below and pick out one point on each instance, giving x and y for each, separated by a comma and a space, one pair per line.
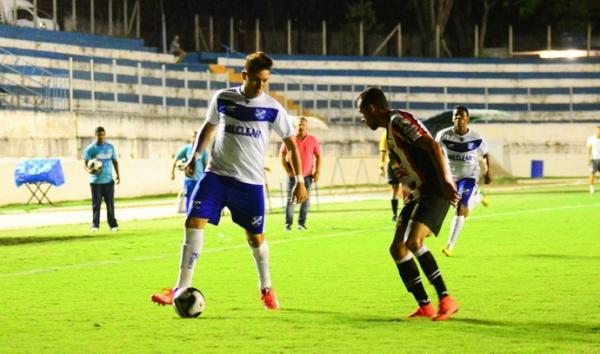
261, 258
190, 251
455, 228
592, 190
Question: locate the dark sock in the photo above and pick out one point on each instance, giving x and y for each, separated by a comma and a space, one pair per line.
395, 206
412, 280
431, 270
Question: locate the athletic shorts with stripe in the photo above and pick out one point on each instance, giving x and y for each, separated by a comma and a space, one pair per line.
246, 202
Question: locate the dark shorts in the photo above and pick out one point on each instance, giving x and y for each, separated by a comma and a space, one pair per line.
246, 202
595, 167
392, 179
430, 209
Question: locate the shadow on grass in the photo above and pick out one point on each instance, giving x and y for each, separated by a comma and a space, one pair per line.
533, 325
23, 240
562, 256
346, 316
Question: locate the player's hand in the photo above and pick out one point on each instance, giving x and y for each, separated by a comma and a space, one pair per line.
118, 180
381, 171
299, 194
190, 167
316, 176
172, 175
487, 179
449, 192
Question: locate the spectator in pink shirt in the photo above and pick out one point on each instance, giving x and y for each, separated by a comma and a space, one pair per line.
310, 154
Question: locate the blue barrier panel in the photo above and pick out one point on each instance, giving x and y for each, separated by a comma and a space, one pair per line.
537, 169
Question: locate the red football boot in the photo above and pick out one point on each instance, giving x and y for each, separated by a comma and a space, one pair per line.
267, 296
448, 307
423, 311
165, 297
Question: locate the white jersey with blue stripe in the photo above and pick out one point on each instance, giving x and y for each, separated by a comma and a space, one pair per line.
594, 142
462, 152
243, 132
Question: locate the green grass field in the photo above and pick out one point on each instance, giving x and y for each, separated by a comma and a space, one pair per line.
525, 273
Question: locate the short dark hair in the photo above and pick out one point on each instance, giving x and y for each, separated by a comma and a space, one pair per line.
461, 108
374, 96
99, 130
258, 61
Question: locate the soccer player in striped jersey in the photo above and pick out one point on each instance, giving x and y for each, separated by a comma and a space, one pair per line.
240, 119
419, 164
463, 147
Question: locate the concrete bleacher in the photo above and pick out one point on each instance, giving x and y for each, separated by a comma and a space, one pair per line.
129, 78
126, 77
531, 90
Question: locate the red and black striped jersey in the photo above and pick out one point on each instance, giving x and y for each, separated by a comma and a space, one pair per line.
411, 165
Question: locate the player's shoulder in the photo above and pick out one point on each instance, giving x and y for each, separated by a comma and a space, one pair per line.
445, 132
270, 102
474, 134
230, 93
401, 115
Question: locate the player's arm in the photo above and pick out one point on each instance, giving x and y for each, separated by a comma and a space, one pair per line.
205, 136
436, 155
317, 172
487, 177
173, 168
299, 192
382, 157
283, 152
589, 151
116, 165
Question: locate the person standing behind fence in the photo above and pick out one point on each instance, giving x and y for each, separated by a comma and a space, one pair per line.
310, 154
185, 154
101, 179
593, 145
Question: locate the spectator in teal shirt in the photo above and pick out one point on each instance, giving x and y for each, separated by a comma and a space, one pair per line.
185, 154
101, 179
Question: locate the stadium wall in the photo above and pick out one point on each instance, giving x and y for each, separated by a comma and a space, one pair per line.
146, 146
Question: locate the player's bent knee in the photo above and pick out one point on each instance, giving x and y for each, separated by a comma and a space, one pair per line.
195, 223
414, 244
462, 210
255, 240
398, 251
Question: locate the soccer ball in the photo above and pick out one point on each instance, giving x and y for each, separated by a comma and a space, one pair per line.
189, 302
94, 164
181, 164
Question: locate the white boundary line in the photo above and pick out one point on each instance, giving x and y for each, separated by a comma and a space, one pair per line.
225, 249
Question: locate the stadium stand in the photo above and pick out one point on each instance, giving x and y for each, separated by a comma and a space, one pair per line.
92, 73
58, 71
531, 90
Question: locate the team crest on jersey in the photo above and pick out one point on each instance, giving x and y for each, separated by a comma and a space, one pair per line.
260, 114
256, 221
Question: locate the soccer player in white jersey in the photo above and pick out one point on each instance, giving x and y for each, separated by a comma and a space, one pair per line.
240, 119
593, 145
463, 147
